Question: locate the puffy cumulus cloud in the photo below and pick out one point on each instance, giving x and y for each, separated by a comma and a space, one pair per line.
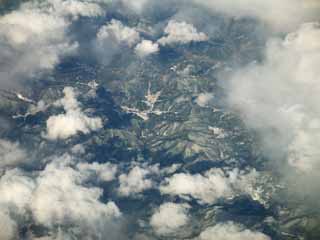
76, 8
281, 15
230, 231
16, 191
181, 32
169, 217
11, 154
73, 121
27, 48
117, 33
112, 38
146, 48
59, 187
8, 228
59, 199
215, 184
136, 181
103, 172
279, 97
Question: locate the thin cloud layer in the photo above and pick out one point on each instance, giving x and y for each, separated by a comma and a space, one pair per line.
284, 15
279, 97
27, 48
281, 15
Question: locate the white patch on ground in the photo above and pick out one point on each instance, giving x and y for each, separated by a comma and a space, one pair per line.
204, 98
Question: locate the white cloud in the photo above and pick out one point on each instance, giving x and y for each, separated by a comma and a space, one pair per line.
231, 231
60, 199
112, 38
8, 228
169, 218
279, 97
27, 48
104, 172
58, 196
270, 12
75, 8
117, 33
65, 125
146, 48
206, 189
136, 181
11, 154
16, 191
181, 32
210, 187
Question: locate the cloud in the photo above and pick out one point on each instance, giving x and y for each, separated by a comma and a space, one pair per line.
59, 187
8, 228
16, 190
103, 172
112, 38
169, 217
117, 33
280, 15
75, 9
11, 154
136, 181
59, 199
181, 32
27, 48
62, 199
230, 231
279, 97
73, 121
215, 184
146, 48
